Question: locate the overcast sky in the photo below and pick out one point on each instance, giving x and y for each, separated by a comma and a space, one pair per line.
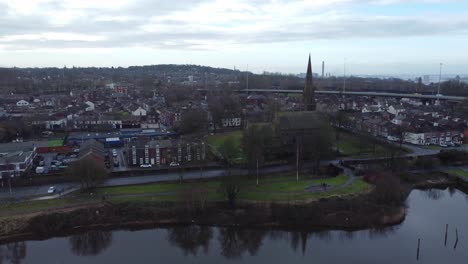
375, 36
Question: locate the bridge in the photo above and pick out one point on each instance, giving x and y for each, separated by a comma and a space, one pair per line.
356, 93
373, 94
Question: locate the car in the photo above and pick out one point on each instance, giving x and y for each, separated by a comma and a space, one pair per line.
146, 166
51, 189
443, 145
174, 164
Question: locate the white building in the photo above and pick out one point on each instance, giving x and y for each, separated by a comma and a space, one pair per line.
90, 106
396, 109
139, 112
22, 103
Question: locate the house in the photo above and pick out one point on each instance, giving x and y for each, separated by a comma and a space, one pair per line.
414, 138
22, 103
92, 150
396, 109
371, 109
89, 106
398, 120
138, 111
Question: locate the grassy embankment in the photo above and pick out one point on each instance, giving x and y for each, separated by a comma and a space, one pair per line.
280, 188
459, 173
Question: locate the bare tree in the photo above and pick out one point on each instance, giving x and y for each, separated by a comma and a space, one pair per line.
88, 172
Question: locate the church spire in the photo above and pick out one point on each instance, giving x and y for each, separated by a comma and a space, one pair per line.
309, 94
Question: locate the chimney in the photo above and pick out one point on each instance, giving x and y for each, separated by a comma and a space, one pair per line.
323, 69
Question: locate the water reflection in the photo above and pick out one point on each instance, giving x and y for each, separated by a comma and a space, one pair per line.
90, 244
13, 253
376, 233
434, 194
235, 242
190, 238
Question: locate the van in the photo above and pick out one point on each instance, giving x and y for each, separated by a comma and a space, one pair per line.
39, 170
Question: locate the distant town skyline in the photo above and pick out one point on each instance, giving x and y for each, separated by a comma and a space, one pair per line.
377, 37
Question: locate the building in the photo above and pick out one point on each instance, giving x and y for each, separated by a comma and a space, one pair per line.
16, 158
22, 103
396, 109
159, 153
138, 111
89, 106
93, 150
308, 93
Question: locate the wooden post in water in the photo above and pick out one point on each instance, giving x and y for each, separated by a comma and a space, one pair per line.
456, 239
417, 252
446, 231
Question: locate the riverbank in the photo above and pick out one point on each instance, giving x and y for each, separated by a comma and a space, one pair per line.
328, 214
350, 213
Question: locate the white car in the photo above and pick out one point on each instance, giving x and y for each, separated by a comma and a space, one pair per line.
146, 166
51, 189
174, 164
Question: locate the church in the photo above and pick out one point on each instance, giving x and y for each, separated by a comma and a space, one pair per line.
294, 126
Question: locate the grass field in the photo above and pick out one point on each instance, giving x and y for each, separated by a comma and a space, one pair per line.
216, 141
460, 173
353, 145
274, 188
291, 185
358, 186
55, 143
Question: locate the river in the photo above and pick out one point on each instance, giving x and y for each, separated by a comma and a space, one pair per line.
427, 216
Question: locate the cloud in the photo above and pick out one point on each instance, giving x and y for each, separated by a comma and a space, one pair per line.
204, 24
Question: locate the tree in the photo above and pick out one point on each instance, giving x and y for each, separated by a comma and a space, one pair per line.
194, 121
273, 108
231, 186
222, 106
256, 143
388, 190
317, 145
89, 172
339, 120
195, 197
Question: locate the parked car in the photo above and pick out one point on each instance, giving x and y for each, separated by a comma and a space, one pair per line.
146, 166
443, 145
392, 138
39, 170
51, 189
174, 164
